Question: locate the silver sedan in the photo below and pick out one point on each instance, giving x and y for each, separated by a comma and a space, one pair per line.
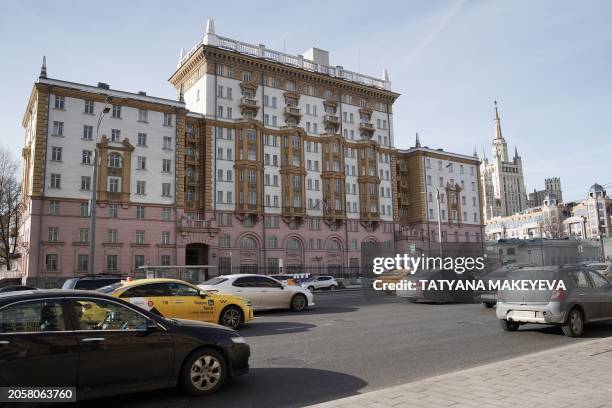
265, 293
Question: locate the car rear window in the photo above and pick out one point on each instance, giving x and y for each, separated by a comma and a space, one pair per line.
92, 284
533, 274
110, 288
214, 281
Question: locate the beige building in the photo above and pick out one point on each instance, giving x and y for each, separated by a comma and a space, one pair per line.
502, 178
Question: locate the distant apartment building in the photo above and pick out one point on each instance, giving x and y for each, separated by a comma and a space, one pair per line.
264, 159
552, 185
426, 177
592, 217
502, 179
544, 221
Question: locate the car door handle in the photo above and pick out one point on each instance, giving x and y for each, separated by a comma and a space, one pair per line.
92, 339
4, 342
179, 301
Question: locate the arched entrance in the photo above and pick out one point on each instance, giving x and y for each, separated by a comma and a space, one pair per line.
196, 254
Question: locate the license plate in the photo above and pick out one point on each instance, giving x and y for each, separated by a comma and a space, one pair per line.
523, 313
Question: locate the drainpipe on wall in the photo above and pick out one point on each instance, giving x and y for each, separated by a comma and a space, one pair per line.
346, 234
214, 152
263, 171
42, 272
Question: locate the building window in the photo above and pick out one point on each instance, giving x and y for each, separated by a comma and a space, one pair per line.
142, 139
166, 165
84, 209
167, 119
82, 263
114, 160
56, 153
141, 163
224, 241
115, 135
140, 212
113, 210
112, 236
111, 263
53, 234
248, 243
143, 115
167, 143
60, 102
58, 128
141, 187
86, 157
113, 185
165, 237
51, 262
54, 207
87, 132
89, 107
166, 189
139, 260
165, 214
140, 237
116, 112
166, 260
83, 235
56, 180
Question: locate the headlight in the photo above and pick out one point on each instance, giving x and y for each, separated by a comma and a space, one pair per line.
248, 303
238, 340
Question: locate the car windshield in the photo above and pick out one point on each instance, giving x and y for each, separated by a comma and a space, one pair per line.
599, 267
214, 281
110, 288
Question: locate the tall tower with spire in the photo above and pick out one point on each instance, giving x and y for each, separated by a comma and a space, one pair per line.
502, 177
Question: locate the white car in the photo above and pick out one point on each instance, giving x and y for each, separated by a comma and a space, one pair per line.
263, 291
320, 282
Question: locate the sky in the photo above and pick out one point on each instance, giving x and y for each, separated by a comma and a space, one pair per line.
547, 63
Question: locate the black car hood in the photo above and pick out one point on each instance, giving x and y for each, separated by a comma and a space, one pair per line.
197, 323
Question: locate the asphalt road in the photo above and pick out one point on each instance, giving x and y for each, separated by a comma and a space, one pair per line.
357, 341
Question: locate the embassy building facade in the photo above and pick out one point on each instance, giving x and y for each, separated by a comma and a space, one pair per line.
264, 160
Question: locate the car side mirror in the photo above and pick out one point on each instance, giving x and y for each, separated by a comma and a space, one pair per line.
203, 295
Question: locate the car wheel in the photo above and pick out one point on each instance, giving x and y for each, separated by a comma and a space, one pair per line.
509, 325
488, 305
203, 372
231, 317
311, 288
333, 287
574, 327
299, 302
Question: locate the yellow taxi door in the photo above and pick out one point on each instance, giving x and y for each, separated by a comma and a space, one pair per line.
154, 297
188, 304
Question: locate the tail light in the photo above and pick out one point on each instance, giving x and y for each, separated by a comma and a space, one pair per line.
558, 295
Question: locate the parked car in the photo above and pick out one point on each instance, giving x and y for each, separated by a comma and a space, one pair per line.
13, 288
393, 276
487, 297
179, 299
320, 282
604, 268
47, 340
587, 297
439, 295
263, 291
92, 282
285, 279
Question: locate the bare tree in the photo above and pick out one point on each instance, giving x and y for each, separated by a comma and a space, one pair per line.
550, 225
10, 200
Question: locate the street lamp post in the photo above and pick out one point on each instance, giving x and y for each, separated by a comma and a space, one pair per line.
94, 190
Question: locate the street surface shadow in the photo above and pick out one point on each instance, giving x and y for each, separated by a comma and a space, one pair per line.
256, 328
596, 330
310, 311
262, 387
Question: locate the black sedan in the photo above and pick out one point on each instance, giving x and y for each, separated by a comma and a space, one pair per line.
104, 346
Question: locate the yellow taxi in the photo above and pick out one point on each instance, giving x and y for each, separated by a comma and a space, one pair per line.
178, 299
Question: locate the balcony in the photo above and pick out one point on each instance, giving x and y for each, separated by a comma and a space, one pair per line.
366, 127
293, 111
198, 224
191, 180
249, 105
331, 120
191, 159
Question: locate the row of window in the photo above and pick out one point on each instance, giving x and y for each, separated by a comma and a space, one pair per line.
113, 185
141, 139
450, 166
453, 215
451, 181
111, 264
113, 210
53, 235
59, 103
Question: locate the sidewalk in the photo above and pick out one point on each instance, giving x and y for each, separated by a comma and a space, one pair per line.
578, 375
